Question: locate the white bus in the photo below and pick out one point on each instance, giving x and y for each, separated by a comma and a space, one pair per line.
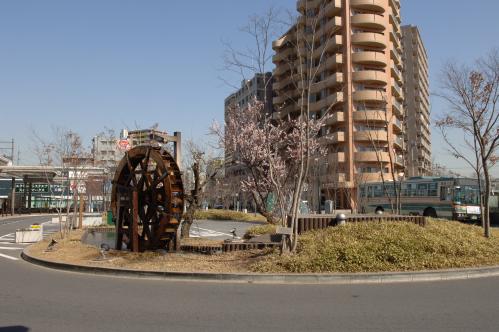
445, 197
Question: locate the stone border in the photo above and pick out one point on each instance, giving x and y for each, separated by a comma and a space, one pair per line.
336, 278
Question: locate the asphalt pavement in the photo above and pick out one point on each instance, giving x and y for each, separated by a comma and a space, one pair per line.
33, 298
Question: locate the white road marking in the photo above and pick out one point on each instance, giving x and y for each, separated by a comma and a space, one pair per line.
8, 236
9, 257
10, 248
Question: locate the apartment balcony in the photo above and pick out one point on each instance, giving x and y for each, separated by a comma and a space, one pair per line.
370, 77
397, 74
328, 102
395, 56
283, 55
397, 108
333, 8
279, 42
331, 62
423, 145
331, 46
423, 99
369, 39
373, 5
335, 158
368, 96
282, 83
333, 138
398, 142
370, 116
281, 69
333, 24
398, 126
304, 4
397, 90
371, 135
372, 177
333, 180
395, 21
335, 118
369, 21
395, 40
372, 156
395, 4
292, 107
399, 160
370, 58
331, 81
280, 99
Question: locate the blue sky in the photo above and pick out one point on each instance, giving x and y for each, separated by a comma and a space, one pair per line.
93, 64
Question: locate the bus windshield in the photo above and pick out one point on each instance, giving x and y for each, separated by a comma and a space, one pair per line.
466, 195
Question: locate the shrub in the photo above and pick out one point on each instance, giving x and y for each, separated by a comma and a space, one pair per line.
260, 230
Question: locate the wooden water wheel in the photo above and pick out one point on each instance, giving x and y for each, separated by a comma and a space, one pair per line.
147, 200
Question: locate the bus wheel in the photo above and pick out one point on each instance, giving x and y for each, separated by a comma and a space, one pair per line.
379, 210
430, 212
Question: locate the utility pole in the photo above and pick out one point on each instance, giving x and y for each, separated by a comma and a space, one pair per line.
12, 152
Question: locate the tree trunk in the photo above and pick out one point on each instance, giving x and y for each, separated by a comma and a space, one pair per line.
185, 229
486, 213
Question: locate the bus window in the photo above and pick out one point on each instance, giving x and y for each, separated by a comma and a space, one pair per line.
422, 189
443, 193
432, 189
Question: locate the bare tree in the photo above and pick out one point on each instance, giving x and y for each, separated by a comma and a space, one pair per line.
245, 63
204, 168
308, 42
377, 134
473, 93
66, 153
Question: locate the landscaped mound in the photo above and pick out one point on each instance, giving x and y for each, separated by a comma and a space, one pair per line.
228, 215
373, 247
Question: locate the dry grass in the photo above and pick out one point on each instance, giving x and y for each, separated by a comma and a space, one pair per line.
228, 215
374, 247
363, 247
71, 250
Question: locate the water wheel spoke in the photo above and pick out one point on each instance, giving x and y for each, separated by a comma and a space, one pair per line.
160, 179
131, 170
144, 163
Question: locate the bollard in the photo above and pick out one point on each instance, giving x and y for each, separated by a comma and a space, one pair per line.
341, 219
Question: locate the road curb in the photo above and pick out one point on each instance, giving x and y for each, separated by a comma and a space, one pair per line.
336, 278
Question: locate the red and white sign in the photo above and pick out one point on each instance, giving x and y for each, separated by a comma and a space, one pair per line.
123, 144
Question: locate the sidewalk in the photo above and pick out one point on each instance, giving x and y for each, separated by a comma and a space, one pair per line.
23, 216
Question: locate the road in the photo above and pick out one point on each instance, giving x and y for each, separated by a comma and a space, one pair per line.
39, 299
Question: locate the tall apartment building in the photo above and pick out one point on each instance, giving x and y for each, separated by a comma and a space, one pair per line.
417, 104
259, 87
106, 152
146, 136
357, 56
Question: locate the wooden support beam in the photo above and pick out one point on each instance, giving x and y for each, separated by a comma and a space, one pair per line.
135, 222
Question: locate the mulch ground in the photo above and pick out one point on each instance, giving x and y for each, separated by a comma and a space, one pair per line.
71, 250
